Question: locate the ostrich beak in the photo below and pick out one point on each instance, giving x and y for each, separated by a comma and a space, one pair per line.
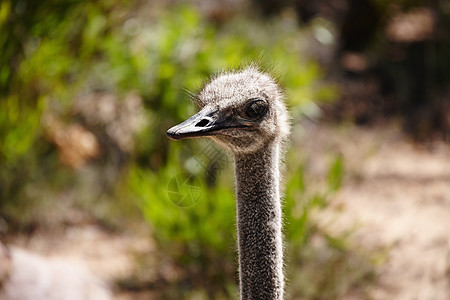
207, 122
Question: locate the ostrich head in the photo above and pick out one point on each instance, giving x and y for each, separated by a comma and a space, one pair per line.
242, 110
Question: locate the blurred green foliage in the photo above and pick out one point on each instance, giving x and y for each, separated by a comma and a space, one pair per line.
55, 52
198, 234
321, 265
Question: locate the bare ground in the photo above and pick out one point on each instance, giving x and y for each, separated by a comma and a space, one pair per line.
396, 197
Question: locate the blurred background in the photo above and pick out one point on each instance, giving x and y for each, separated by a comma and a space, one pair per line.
88, 176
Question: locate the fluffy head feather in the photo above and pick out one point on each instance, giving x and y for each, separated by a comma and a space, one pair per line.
231, 92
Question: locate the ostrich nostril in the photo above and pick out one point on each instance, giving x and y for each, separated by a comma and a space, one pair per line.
202, 123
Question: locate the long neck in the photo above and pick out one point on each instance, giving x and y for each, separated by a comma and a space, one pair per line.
259, 224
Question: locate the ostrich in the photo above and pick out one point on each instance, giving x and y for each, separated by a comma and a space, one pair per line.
244, 111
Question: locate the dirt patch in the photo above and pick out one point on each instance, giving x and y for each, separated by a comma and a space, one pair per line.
396, 196
110, 256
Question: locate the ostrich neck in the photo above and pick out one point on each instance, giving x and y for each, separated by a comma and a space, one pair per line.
259, 224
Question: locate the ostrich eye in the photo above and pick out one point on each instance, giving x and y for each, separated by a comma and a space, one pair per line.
255, 109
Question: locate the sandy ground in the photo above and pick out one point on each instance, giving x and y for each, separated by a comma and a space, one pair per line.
396, 196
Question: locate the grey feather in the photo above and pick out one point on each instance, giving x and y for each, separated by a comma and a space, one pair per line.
257, 145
